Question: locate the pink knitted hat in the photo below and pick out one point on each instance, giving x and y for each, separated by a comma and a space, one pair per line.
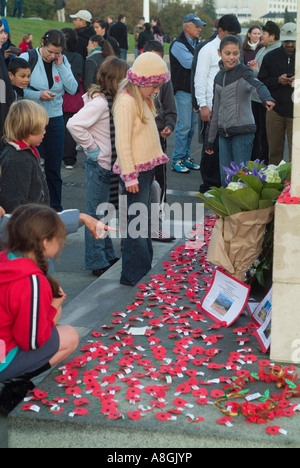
149, 69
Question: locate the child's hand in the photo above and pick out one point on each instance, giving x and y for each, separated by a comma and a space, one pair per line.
2, 212
210, 152
133, 189
270, 105
57, 302
253, 65
166, 132
102, 229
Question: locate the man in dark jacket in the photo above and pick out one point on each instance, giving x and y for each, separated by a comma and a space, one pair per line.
277, 72
182, 52
119, 32
82, 22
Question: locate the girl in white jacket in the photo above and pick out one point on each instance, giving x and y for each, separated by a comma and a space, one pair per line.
92, 128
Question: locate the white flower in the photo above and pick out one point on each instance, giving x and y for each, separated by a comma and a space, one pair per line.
234, 186
272, 175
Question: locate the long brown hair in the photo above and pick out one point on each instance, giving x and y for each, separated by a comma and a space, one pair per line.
112, 71
28, 227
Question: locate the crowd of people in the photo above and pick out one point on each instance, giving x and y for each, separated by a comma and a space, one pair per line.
77, 89
245, 126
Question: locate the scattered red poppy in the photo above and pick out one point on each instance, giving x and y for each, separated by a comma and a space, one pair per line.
81, 401
80, 411
163, 416
273, 430
134, 415
217, 394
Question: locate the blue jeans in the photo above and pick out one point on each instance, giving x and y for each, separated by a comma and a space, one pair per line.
186, 126
98, 253
237, 148
123, 54
138, 251
52, 150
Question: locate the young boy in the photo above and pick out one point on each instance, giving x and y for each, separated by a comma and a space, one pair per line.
19, 72
232, 113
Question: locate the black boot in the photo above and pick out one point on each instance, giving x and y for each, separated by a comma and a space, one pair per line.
12, 393
14, 390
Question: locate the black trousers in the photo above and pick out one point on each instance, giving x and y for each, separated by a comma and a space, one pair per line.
70, 153
209, 166
260, 144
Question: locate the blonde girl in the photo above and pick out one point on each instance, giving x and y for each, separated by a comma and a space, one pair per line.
139, 152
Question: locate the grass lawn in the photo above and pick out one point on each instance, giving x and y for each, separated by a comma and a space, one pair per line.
37, 28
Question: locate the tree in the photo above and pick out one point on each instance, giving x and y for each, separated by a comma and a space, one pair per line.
36, 8
208, 9
132, 9
288, 17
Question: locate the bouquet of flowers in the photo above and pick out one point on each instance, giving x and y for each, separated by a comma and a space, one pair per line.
246, 208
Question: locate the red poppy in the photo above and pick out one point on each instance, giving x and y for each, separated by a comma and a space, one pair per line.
163, 416
81, 401
73, 391
183, 388
179, 402
217, 394
158, 404
202, 401
61, 400
195, 419
80, 411
224, 420
27, 407
134, 415
114, 415
57, 79
273, 430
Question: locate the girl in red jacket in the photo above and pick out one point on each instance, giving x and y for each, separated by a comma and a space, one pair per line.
30, 302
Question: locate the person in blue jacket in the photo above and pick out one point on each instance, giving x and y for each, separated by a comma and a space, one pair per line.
51, 77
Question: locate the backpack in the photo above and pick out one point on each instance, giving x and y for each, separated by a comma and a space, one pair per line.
33, 58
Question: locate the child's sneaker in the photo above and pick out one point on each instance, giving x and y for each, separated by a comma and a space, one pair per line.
180, 168
190, 164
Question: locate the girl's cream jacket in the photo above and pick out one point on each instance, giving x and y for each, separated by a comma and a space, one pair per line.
137, 143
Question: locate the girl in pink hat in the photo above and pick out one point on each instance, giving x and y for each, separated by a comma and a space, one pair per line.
139, 152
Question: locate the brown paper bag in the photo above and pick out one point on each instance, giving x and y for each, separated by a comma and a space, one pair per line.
237, 241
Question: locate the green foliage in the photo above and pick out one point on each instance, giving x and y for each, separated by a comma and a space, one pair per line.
249, 191
35, 8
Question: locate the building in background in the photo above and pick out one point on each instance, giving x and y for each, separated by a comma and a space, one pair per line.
256, 10
248, 10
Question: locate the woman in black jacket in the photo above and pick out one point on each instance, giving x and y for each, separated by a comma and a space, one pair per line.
98, 50
145, 36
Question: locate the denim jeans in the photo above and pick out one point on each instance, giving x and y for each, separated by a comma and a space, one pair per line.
123, 54
237, 148
138, 251
52, 150
98, 253
186, 126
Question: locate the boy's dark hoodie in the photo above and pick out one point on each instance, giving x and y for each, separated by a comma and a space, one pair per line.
21, 177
